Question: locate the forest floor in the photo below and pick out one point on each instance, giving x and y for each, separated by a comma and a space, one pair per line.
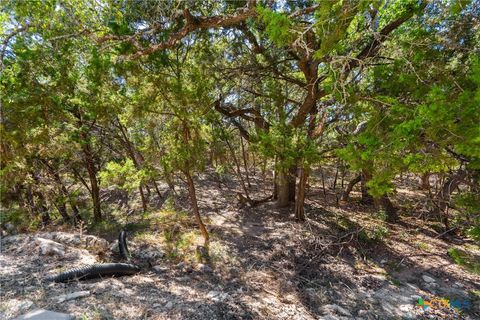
344, 262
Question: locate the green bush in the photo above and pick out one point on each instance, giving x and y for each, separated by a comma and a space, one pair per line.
463, 258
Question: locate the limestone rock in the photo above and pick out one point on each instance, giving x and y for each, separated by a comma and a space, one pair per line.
42, 314
72, 296
160, 269
428, 279
50, 248
334, 308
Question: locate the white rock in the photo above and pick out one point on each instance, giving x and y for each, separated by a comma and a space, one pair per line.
160, 269
458, 284
49, 247
212, 294
114, 247
217, 296
25, 305
415, 297
428, 279
72, 296
405, 307
41, 314
204, 268
362, 312
383, 261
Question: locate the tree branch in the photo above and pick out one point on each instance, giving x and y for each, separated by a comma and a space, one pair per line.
192, 23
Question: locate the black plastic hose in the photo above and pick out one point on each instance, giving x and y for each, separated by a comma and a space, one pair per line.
122, 245
96, 271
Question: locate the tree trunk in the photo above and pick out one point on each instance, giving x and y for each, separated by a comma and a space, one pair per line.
245, 164
43, 209
390, 209
193, 200
444, 194
62, 190
348, 190
29, 200
292, 180
300, 197
94, 189
366, 197
76, 214
275, 177
157, 190
282, 188
425, 181
324, 190
142, 196
136, 158
237, 166
39, 206
62, 209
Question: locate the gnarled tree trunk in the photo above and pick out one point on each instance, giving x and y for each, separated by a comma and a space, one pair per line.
282, 188
425, 181
94, 188
193, 199
444, 194
348, 190
301, 192
390, 209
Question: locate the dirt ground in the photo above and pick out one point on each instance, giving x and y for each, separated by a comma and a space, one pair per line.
344, 262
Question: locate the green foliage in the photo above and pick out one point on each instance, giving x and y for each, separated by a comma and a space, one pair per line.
461, 257
124, 175
373, 235
469, 218
278, 26
288, 145
333, 21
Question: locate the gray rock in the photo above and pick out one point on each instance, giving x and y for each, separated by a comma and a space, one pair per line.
72, 296
169, 305
147, 254
428, 279
49, 247
334, 308
42, 314
160, 269
217, 296
415, 297
114, 247
10, 227
204, 268
25, 305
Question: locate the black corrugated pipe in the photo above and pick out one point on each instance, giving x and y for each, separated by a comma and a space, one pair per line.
122, 245
96, 271
103, 269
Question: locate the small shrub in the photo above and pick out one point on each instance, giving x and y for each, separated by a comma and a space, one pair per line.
375, 235
464, 259
422, 246
381, 215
